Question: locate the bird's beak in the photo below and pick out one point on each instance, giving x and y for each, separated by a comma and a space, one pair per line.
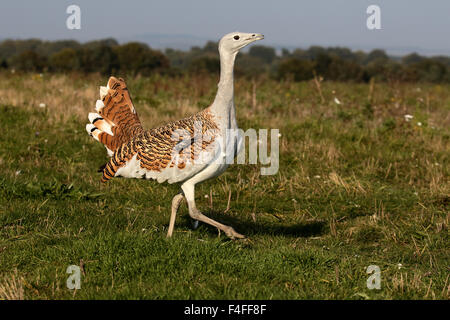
256, 36
259, 37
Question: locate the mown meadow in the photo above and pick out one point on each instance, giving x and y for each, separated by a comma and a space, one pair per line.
363, 180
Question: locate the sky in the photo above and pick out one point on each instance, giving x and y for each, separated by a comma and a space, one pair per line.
406, 25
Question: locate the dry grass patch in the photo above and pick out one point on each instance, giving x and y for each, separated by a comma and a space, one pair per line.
11, 287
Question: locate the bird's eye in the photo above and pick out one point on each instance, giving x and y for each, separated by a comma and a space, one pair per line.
236, 37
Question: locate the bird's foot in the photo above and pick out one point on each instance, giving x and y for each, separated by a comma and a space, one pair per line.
232, 234
194, 224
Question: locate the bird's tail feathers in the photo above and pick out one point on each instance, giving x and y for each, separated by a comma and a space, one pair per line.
116, 120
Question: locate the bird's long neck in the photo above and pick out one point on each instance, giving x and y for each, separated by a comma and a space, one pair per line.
223, 105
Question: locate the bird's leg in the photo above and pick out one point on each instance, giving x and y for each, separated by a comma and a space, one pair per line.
229, 231
197, 215
176, 201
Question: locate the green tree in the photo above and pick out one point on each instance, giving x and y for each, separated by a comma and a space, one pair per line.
430, 70
265, 54
376, 55
29, 60
3, 64
345, 70
412, 58
250, 65
65, 60
296, 69
205, 64
138, 58
101, 59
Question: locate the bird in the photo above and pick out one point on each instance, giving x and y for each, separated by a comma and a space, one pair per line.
187, 151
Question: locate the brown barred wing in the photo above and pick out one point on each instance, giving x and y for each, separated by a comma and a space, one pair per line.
171, 146
177, 143
122, 155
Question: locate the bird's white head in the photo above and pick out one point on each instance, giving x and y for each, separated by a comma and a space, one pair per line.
234, 41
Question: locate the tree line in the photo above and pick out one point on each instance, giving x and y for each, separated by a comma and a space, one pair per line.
107, 57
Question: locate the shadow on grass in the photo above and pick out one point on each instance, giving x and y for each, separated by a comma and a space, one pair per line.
251, 228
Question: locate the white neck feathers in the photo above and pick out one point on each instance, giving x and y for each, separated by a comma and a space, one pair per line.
223, 105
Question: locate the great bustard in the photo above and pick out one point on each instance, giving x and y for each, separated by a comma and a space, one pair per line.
156, 154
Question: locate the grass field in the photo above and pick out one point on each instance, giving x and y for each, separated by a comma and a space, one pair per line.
358, 185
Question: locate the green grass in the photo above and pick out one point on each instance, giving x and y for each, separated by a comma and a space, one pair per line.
357, 186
